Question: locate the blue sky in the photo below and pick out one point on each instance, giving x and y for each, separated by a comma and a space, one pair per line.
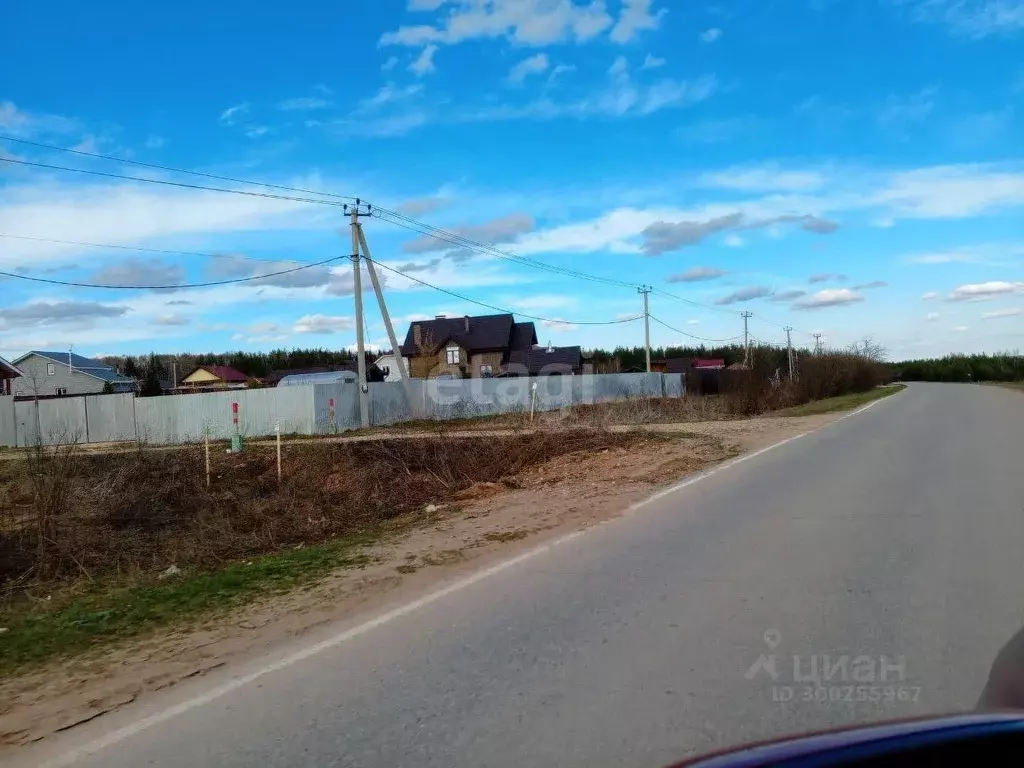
849, 168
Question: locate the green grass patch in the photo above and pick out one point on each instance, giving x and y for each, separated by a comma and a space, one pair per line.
841, 403
103, 615
1018, 385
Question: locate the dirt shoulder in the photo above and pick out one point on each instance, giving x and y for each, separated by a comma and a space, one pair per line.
482, 524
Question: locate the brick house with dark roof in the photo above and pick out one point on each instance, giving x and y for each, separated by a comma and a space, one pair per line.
465, 347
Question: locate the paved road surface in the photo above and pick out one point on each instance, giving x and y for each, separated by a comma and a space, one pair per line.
897, 532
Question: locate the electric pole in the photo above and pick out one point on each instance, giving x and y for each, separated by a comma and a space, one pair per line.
646, 291
364, 409
402, 372
789, 349
817, 343
746, 315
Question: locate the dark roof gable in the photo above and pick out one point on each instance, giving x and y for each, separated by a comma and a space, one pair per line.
485, 332
540, 359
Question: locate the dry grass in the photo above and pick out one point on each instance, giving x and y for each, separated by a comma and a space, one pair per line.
68, 515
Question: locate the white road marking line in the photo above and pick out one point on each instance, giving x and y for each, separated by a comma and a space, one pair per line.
160, 717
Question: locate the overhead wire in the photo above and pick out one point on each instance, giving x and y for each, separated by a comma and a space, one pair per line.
557, 321
172, 169
692, 336
179, 286
145, 250
168, 183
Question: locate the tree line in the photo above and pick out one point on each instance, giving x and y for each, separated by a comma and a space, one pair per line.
1001, 367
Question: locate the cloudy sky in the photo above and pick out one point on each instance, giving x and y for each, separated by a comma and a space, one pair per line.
849, 168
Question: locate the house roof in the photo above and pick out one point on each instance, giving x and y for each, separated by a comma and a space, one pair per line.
86, 365
485, 332
536, 359
709, 362
222, 372
9, 370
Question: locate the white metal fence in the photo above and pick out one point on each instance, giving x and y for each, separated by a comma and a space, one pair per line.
315, 409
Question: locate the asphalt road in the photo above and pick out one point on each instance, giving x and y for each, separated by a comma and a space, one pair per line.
895, 536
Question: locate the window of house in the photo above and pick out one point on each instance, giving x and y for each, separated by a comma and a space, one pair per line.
452, 355
51, 369
61, 391
486, 370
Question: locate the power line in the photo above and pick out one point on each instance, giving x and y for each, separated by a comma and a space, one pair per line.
73, 284
172, 169
452, 238
171, 183
690, 335
503, 310
144, 250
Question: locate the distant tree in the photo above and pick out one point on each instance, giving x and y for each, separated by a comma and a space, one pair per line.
108, 388
131, 370
151, 379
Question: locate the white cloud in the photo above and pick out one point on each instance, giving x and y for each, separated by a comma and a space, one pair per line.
653, 62
20, 123
389, 64
128, 214
557, 71
832, 297
734, 241
950, 192
304, 103
619, 67
932, 317
693, 322
172, 319
230, 115
424, 63
985, 291
972, 18
523, 22
710, 35
636, 17
323, 324
764, 178
137, 271
1015, 312
255, 131
960, 328
929, 295
534, 65
502, 230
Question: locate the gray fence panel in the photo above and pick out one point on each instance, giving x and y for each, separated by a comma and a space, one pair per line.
110, 418
675, 384
346, 408
8, 423
553, 392
184, 418
388, 403
61, 420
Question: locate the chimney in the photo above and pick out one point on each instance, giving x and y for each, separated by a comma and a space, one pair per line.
465, 321
550, 348
417, 334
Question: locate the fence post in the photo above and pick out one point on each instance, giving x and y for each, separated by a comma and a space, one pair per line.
236, 439
333, 417
277, 432
206, 441
533, 400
